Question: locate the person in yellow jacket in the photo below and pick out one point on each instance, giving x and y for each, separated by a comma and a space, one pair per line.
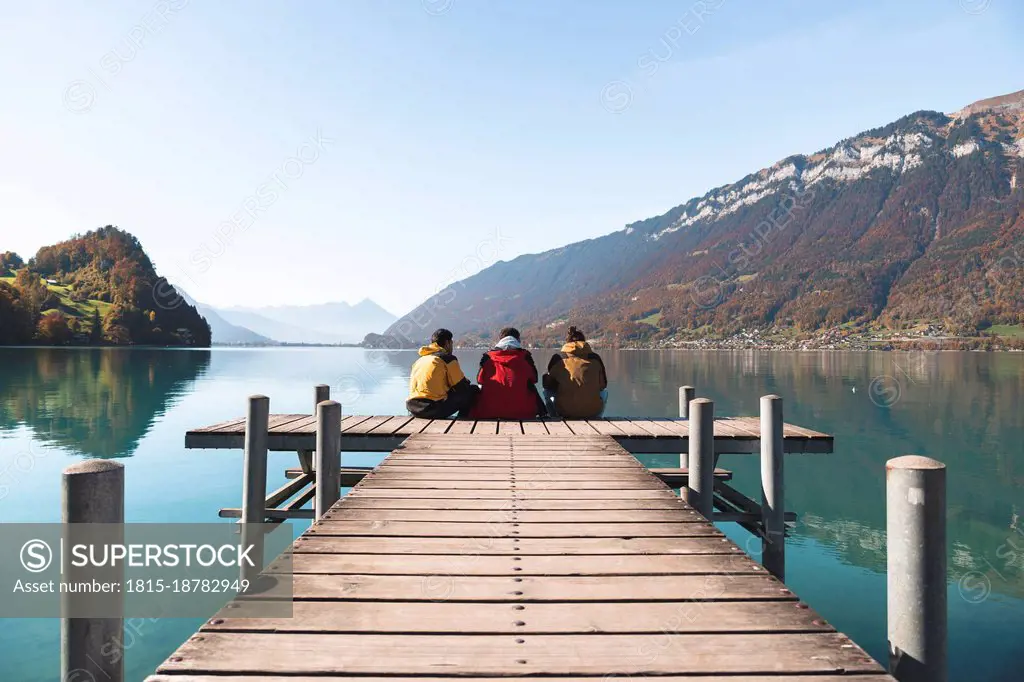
437, 387
576, 384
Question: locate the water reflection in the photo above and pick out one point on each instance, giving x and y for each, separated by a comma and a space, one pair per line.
93, 402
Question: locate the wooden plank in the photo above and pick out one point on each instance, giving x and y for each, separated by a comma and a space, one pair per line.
606, 427
629, 428
438, 426
484, 486
348, 422
364, 427
438, 459
672, 514
679, 427
486, 427
568, 494
580, 427
462, 427
507, 546
689, 527
557, 427
534, 428
590, 654
497, 458
531, 564
262, 677
390, 426
300, 501
510, 428
441, 503
410, 473
792, 430
651, 429
538, 618
288, 489
302, 425
752, 429
278, 421
455, 588
414, 426
724, 427
445, 467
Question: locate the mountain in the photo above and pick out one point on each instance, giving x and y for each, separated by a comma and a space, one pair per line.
99, 288
222, 331
920, 221
321, 323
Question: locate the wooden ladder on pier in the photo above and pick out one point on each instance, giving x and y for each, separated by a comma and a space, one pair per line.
524, 555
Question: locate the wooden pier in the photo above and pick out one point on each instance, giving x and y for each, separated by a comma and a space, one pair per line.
507, 549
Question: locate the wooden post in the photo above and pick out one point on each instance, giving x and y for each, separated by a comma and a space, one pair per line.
773, 509
328, 456
916, 558
700, 487
321, 392
92, 648
254, 490
686, 394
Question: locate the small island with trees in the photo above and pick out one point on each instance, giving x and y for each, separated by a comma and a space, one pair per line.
96, 289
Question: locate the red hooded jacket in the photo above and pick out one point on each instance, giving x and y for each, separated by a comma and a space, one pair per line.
508, 388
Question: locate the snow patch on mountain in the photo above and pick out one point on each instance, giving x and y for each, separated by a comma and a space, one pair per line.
849, 161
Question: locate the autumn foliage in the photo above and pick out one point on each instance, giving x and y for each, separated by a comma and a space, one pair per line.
103, 269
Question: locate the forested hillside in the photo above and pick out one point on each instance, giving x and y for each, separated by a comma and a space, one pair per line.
918, 224
99, 288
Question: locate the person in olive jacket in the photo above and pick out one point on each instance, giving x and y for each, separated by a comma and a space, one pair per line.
576, 384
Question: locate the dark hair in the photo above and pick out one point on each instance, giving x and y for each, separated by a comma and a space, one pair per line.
574, 334
509, 331
441, 337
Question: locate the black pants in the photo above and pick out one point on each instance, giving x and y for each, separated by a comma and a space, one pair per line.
460, 399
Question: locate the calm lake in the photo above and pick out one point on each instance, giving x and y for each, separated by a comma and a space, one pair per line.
965, 409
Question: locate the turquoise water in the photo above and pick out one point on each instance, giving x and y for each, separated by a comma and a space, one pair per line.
965, 409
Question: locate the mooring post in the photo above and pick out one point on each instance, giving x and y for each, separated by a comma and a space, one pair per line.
773, 505
92, 648
686, 394
700, 485
916, 556
321, 393
328, 456
254, 491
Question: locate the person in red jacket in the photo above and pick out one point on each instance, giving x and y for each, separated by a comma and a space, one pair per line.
508, 381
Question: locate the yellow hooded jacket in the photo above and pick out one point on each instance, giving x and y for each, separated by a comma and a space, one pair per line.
434, 374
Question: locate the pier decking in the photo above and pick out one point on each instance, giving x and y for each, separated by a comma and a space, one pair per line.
506, 551
297, 432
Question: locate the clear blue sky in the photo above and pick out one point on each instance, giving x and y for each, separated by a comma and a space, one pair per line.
444, 123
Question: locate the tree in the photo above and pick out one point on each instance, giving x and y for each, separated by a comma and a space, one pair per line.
10, 261
33, 292
114, 329
96, 330
53, 329
15, 319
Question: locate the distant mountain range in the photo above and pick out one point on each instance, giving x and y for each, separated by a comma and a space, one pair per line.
327, 323
920, 221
